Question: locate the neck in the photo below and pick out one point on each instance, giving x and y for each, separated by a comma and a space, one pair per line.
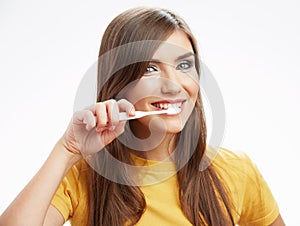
161, 152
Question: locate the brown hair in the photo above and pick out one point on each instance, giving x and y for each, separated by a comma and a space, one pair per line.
203, 196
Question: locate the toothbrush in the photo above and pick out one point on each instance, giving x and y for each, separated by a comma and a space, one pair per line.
139, 114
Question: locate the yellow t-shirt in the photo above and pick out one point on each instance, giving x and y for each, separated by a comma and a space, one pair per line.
251, 196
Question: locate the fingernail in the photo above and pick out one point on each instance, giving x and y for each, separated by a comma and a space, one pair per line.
132, 111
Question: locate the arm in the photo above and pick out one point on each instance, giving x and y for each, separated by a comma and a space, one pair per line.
31, 205
53, 217
89, 131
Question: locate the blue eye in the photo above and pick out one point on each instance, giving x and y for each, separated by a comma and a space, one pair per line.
185, 65
150, 68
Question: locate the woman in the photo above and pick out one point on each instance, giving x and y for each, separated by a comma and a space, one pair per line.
107, 171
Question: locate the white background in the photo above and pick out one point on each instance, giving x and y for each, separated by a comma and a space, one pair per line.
251, 47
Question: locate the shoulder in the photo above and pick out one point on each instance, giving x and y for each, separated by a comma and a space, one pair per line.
77, 177
226, 154
71, 194
234, 165
74, 184
222, 157
249, 191
80, 168
235, 169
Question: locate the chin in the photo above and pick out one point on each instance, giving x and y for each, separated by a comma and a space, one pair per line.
168, 127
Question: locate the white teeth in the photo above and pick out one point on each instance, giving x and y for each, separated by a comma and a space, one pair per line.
166, 106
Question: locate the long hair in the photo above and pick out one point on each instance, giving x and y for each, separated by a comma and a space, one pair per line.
203, 196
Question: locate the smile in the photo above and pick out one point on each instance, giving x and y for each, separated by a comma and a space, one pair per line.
164, 105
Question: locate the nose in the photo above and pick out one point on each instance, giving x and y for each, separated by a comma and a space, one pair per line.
169, 83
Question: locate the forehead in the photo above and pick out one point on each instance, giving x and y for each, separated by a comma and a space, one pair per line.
176, 45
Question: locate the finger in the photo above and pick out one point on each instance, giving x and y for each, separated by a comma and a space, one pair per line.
89, 120
125, 105
83, 117
112, 112
101, 115
120, 128
110, 135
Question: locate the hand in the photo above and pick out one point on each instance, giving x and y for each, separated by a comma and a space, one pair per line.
92, 129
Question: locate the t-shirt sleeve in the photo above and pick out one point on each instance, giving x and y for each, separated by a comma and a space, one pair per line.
65, 199
259, 206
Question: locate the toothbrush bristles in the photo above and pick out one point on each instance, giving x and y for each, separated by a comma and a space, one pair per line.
173, 111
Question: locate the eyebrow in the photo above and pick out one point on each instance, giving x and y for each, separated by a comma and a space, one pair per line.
183, 56
188, 54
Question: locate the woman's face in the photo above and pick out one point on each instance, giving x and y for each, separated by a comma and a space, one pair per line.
170, 81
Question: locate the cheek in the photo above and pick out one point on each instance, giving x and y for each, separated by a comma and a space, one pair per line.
192, 88
141, 89
140, 104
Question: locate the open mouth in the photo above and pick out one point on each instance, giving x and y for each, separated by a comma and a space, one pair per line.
165, 105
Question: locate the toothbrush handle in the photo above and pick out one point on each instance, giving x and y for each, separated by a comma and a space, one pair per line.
123, 116
139, 114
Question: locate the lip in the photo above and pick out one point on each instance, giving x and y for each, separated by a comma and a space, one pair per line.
169, 101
